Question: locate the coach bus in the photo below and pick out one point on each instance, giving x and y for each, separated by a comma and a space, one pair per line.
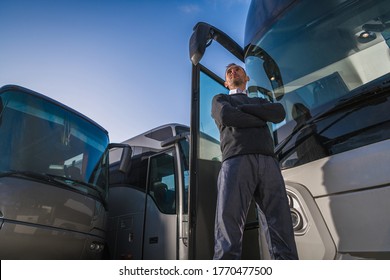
53, 179
328, 63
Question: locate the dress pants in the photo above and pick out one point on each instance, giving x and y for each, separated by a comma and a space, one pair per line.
241, 179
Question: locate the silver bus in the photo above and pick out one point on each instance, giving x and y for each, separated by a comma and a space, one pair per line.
148, 204
53, 179
328, 63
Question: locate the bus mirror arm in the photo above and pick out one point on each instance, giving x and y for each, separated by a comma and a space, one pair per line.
202, 37
174, 139
125, 161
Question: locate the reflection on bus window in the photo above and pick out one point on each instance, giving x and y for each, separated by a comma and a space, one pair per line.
162, 182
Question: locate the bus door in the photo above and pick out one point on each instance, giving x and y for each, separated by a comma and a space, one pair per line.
160, 228
205, 163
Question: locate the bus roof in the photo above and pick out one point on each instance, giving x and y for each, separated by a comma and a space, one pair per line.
155, 137
262, 14
31, 92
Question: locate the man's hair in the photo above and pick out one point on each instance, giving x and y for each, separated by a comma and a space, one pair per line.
233, 64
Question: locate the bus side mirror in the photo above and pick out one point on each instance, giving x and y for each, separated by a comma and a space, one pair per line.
125, 158
202, 37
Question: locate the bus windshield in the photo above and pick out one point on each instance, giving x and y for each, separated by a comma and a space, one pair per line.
43, 141
317, 54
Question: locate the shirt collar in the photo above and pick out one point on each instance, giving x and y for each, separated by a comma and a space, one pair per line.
237, 90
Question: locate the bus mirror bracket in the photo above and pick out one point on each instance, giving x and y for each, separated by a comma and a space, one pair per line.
125, 161
174, 139
202, 37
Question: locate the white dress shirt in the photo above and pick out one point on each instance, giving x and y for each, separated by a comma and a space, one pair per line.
237, 90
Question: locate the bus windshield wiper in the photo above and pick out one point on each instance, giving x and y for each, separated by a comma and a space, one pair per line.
32, 175
72, 182
54, 180
356, 97
353, 100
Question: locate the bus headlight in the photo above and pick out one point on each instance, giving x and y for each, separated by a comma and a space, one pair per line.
298, 217
297, 220
96, 246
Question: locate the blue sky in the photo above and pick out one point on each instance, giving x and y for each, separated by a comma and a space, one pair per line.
123, 63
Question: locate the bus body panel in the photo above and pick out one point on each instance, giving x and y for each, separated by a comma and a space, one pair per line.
125, 223
358, 221
353, 222
161, 234
134, 235
364, 167
47, 222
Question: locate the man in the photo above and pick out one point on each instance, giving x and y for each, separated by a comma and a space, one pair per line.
249, 170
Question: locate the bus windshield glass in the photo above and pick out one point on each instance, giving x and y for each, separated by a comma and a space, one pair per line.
314, 55
43, 141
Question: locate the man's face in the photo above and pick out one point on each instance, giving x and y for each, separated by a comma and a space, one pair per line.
235, 77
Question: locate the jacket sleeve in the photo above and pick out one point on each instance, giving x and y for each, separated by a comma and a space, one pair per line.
225, 114
267, 111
